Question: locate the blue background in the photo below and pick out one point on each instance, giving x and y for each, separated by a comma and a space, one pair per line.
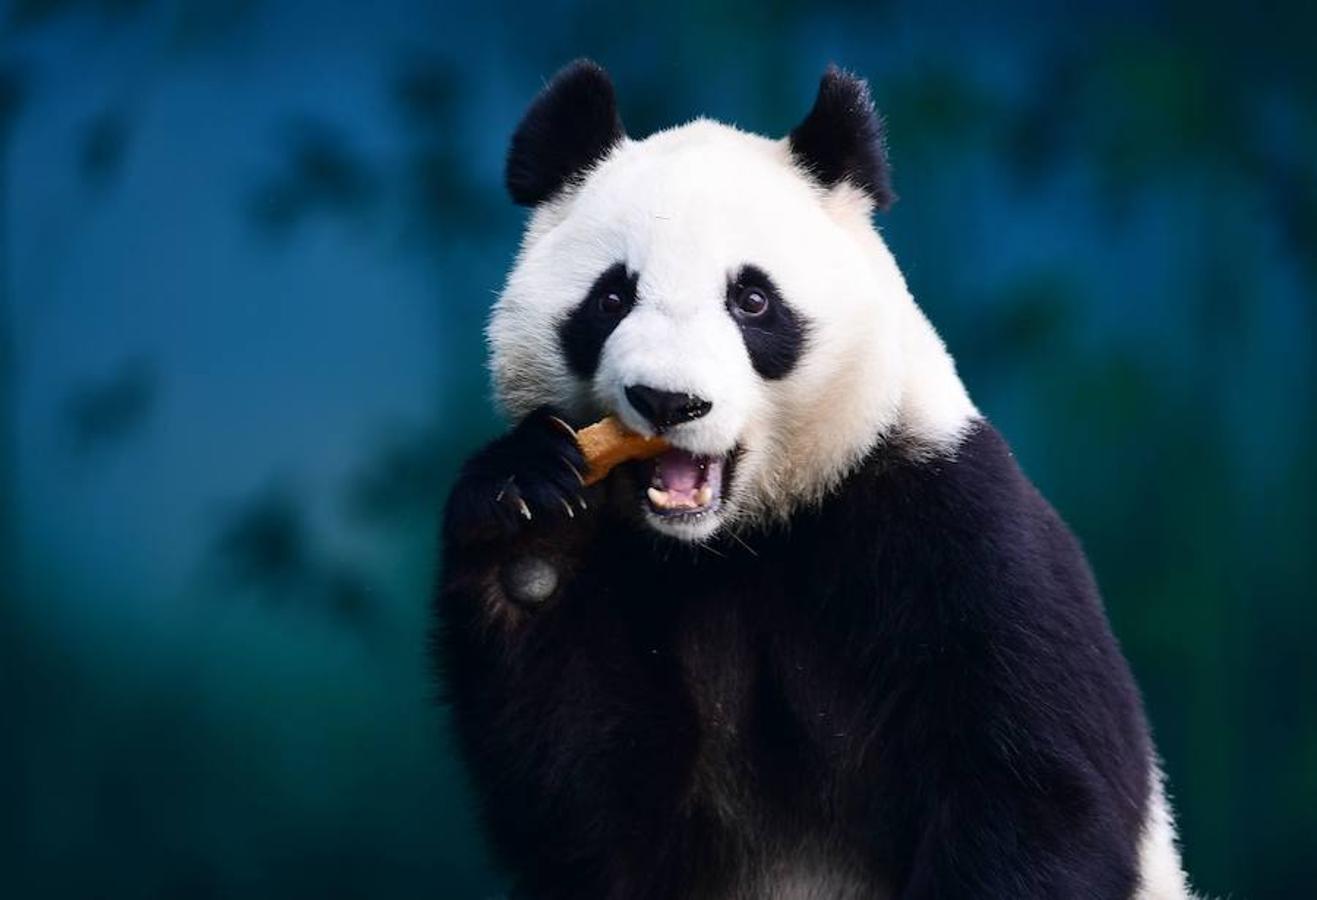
245, 254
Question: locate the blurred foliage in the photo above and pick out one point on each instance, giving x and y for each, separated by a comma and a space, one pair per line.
1109, 213
266, 549
192, 24
264, 545
109, 410
28, 13
403, 483
11, 99
322, 175
13, 89
102, 148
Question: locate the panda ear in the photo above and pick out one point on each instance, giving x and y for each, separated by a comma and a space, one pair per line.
842, 138
570, 126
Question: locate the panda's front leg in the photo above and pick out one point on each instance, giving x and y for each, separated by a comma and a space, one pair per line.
517, 536
514, 517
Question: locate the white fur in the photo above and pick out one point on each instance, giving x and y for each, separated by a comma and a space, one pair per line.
1160, 870
686, 208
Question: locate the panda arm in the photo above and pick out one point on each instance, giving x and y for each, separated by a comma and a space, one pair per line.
1018, 757
514, 527
513, 512
1001, 811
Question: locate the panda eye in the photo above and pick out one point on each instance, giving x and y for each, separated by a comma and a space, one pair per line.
750, 302
611, 303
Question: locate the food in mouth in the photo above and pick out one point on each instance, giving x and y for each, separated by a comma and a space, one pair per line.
683, 484
608, 443
680, 483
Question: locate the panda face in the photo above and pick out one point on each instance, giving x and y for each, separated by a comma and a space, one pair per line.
704, 285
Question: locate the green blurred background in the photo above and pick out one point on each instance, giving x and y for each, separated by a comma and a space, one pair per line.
245, 254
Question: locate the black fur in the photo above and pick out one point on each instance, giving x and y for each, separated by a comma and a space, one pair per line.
584, 331
570, 126
532, 474
774, 340
589, 324
913, 688
842, 138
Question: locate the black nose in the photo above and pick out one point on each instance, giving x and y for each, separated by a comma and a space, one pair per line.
666, 408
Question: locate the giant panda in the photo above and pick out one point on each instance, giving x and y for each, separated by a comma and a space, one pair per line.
832, 644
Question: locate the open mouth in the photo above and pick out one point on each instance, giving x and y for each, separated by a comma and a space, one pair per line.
685, 486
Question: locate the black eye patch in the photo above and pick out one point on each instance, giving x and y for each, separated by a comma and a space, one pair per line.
773, 332
588, 326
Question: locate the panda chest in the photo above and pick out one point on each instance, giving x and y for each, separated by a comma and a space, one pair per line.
755, 722
779, 717
719, 670
718, 664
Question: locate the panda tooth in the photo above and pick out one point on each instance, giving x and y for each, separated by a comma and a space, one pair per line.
657, 497
703, 496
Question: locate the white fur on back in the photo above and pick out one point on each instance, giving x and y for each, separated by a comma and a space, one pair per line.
1160, 870
686, 209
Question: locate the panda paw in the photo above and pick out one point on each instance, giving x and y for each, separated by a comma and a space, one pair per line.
530, 477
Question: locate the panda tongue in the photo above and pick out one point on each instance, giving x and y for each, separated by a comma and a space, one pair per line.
679, 471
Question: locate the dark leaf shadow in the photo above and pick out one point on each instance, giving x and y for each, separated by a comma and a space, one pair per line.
107, 411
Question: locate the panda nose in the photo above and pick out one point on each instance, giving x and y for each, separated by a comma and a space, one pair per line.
665, 409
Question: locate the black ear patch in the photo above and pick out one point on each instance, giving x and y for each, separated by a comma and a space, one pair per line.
570, 126
843, 138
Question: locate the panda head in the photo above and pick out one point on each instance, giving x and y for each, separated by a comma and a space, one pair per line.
726, 290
